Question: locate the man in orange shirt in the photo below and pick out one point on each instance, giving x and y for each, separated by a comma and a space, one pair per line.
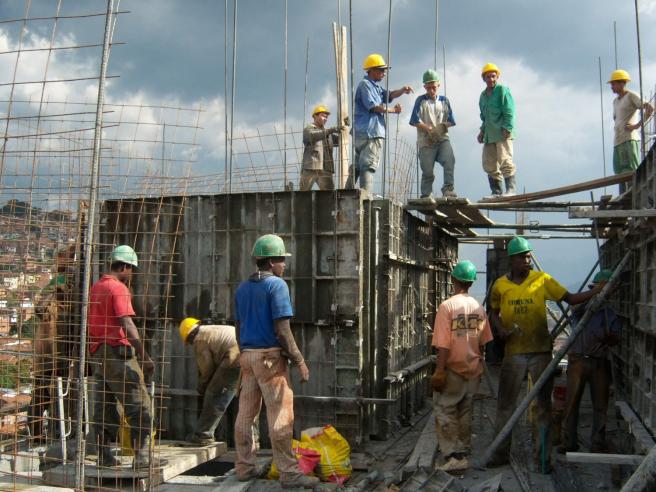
461, 331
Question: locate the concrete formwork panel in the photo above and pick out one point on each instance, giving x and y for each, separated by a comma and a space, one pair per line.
365, 278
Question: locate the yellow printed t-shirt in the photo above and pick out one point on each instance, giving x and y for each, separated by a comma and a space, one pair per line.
462, 327
523, 309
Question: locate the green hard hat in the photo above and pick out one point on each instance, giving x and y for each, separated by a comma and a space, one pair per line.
518, 245
430, 76
465, 271
124, 254
602, 276
269, 246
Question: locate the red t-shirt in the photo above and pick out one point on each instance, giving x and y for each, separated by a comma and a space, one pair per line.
109, 300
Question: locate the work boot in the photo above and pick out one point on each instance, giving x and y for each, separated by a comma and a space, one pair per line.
300, 482
496, 185
510, 186
142, 455
455, 464
194, 438
449, 193
258, 471
427, 199
106, 457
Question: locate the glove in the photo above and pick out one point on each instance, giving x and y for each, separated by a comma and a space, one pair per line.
337, 129
438, 380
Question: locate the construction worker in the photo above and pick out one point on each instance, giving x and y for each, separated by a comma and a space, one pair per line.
461, 332
588, 364
120, 363
217, 356
263, 310
497, 132
371, 103
518, 312
625, 113
318, 164
432, 116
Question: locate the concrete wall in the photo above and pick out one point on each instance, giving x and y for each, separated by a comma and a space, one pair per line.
365, 279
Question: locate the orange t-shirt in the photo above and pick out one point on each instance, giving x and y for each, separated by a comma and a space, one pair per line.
461, 326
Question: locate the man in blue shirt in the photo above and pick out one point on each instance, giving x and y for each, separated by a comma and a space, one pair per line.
262, 312
371, 103
432, 116
588, 364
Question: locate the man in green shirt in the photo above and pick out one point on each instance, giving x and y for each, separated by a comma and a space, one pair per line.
497, 132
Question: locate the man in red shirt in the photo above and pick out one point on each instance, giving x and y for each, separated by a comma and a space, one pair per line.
119, 362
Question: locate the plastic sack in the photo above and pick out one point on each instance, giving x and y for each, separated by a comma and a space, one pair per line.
308, 458
335, 465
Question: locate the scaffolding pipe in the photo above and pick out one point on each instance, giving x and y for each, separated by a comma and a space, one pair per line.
233, 89
284, 117
549, 370
88, 246
644, 478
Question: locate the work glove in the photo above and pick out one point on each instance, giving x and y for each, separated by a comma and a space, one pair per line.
438, 380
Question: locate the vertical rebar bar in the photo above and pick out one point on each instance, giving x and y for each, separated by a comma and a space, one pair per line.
284, 133
603, 131
642, 108
437, 18
225, 95
352, 84
233, 88
387, 86
307, 63
615, 41
88, 246
444, 68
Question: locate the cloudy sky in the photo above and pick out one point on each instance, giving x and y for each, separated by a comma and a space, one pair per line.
547, 51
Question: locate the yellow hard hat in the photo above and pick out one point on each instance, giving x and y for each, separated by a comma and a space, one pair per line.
186, 326
490, 67
619, 75
320, 109
374, 61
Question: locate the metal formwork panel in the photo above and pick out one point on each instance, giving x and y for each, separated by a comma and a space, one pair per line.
365, 278
635, 302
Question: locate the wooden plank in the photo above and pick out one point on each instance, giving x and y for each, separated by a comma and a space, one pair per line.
566, 190
180, 459
424, 451
643, 437
606, 459
588, 212
341, 71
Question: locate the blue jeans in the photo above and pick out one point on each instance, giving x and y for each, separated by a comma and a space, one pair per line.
441, 152
367, 158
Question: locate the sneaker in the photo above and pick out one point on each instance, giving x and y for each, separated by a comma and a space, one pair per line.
455, 464
301, 482
194, 438
427, 199
449, 194
258, 471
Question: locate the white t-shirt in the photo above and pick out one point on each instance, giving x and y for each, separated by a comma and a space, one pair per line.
626, 110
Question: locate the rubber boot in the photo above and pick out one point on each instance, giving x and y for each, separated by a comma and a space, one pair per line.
510, 186
106, 457
142, 455
496, 185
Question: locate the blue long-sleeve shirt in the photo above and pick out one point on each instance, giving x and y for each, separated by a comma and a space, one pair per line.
367, 123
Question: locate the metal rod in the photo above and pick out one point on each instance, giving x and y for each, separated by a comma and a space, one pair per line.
225, 96
411, 369
233, 88
642, 108
307, 64
444, 68
62, 419
548, 371
603, 132
88, 246
615, 41
284, 135
387, 85
351, 85
437, 18
347, 399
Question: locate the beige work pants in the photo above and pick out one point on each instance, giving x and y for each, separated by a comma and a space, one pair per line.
452, 409
265, 375
323, 179
498, 159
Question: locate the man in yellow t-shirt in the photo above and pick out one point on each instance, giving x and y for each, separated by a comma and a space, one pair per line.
518, 312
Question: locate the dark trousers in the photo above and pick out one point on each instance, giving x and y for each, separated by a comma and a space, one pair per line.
119, 379
513, 373
219, 393
595, 372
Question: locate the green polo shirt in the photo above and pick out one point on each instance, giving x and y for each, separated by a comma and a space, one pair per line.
497, 112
